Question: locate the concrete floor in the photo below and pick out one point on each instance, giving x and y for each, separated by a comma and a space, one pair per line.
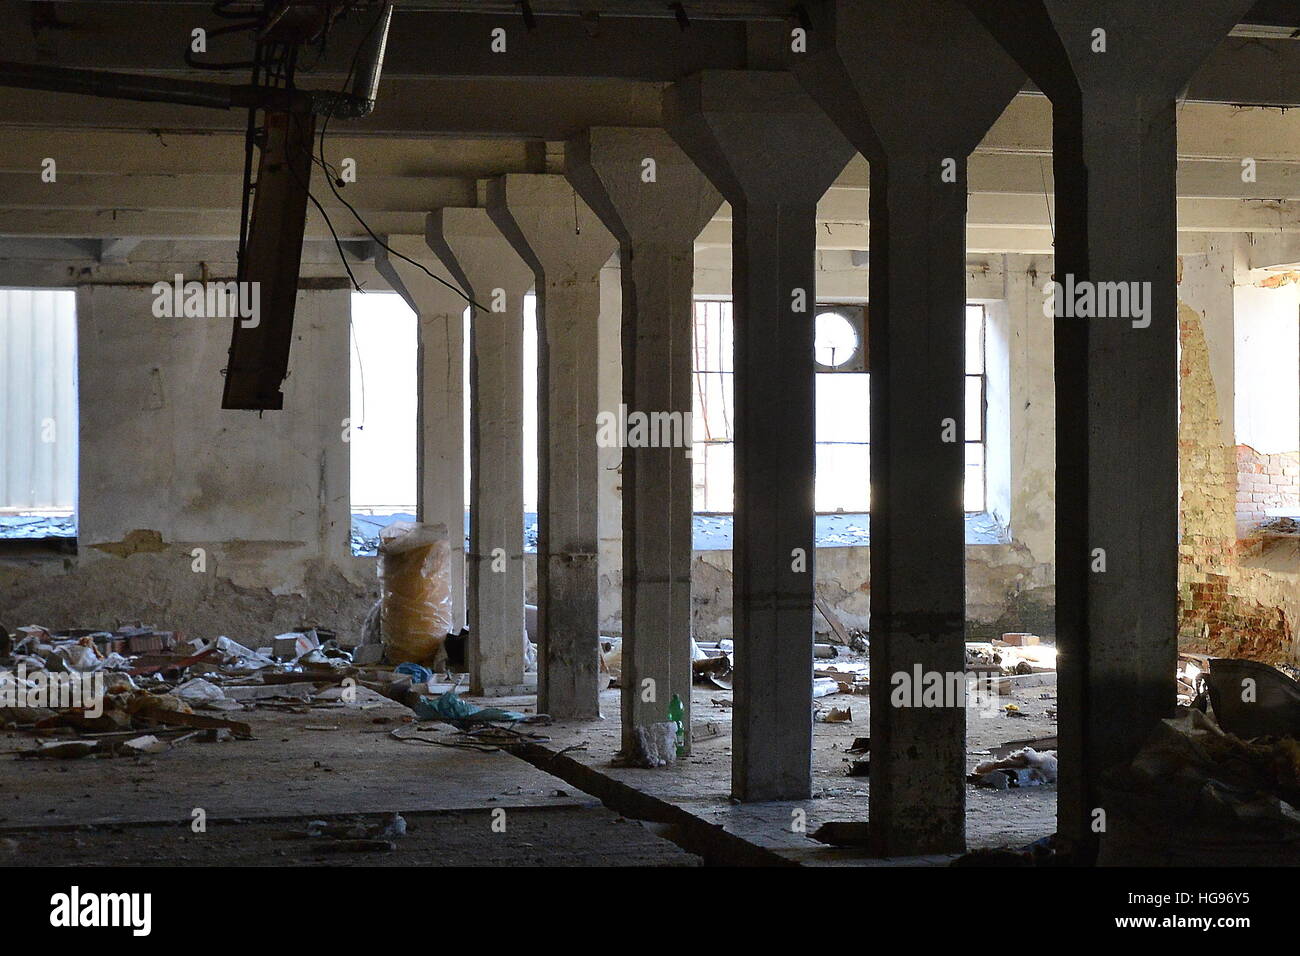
331, 760
337, 759
701, 786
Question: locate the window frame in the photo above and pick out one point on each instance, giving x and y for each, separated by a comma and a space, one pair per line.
982, 376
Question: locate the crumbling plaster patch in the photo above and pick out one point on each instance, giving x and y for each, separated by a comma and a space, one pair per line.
1228, 605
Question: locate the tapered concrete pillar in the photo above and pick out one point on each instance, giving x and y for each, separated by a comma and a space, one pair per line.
440, 415
772, 153
1114, 71
655, 202
915, 87
565, 245
485, 265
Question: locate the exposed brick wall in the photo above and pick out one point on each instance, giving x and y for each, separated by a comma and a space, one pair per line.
1218, 622
1225, 609
1263, 482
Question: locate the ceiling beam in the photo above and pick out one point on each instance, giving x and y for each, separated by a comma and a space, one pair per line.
547, 108
428, 41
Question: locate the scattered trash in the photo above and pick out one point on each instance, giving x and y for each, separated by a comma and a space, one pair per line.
356, 837
199, 689
824, 687
654, 745
1020, 640
291, 646
459, 713
835, 715
1251, 699
1196, 793
860, 760
714, 669
148, 744
1024, 768
63, 750
419, 673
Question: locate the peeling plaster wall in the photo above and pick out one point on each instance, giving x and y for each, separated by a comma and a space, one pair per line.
1238, 597
192, 517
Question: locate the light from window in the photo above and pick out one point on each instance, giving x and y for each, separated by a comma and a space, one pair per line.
836, 340
382, 442
38, 413
843, 414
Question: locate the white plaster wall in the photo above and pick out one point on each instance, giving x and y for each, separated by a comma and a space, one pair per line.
1207, 284
1268, 367
1023, 339
159, 452
165, 470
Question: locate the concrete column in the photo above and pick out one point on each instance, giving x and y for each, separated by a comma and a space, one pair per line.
772, 153
565, 245
915, 87
440, 428
655, 202
1115, 157
473, 250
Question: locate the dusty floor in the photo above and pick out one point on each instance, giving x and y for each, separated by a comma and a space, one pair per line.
256, 795
332, 759
563, 835
1007, 818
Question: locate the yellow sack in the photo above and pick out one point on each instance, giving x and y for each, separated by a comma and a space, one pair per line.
415, 591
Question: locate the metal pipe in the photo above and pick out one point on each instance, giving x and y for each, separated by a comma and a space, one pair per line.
365, 84
158, 89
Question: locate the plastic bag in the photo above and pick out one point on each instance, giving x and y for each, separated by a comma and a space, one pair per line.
415, 590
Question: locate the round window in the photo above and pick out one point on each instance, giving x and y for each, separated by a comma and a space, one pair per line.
836, 339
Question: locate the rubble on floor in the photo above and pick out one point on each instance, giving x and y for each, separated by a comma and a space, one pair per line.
1196, 792
1252, 699
1024, 768
140, 691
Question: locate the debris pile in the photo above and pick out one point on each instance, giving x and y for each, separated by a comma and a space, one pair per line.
1196, 792
138, 690
1024, 768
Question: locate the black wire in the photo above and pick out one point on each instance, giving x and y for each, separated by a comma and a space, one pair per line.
338, 243
337, 195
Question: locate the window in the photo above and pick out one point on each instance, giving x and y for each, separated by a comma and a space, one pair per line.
382, 438
714, 406
38, 413
843, 438
976, 409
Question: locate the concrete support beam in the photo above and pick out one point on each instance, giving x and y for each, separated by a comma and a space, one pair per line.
473, 250
914, 88
772, 153
565, 245
1115, 138
440, 419
655, 202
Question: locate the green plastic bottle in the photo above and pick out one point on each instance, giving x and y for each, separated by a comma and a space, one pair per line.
677, 714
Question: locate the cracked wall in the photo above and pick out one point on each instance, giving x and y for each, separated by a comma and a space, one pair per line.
1239, 594
191, 517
